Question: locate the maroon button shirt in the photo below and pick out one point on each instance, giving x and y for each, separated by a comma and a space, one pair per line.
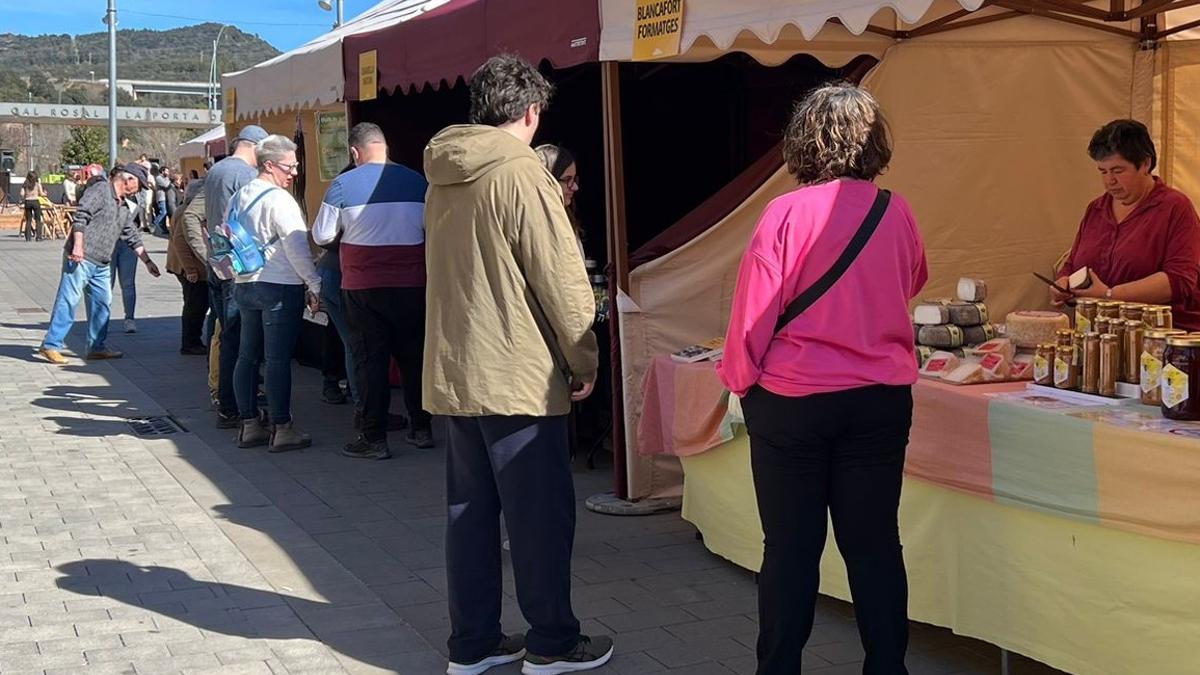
1162, 234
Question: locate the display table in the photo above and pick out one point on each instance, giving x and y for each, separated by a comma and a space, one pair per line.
1067, 534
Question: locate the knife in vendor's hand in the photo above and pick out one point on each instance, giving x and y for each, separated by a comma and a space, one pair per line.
1070, 302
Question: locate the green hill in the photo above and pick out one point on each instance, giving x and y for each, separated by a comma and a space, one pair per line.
179, 54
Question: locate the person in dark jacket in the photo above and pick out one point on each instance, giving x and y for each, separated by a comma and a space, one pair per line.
102, 219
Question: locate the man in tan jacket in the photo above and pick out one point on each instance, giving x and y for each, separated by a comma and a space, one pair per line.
508, 348
186, 256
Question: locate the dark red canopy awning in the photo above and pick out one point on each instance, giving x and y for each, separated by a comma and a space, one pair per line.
456, 38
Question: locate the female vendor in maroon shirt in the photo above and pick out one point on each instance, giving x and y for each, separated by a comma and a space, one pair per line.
1141, 239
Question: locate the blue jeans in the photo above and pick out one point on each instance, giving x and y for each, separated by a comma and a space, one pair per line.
331, 300
225, 307
161, 217
271, 318
124, 264
78, 278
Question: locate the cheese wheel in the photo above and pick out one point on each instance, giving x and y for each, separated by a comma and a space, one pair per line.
1027, 328
972, 290
968, 313
927, 314
947, 336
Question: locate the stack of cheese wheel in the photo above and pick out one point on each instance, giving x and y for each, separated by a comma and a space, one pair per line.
953, 324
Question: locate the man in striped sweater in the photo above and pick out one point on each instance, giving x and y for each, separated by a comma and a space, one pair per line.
378, 210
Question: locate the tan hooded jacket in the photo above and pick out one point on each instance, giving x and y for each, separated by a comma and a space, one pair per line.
509, 312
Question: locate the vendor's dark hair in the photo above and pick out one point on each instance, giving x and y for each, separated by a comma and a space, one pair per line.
504, 88
1128, 138
31, 179
836, 131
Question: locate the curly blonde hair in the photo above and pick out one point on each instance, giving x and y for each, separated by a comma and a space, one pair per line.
836, 131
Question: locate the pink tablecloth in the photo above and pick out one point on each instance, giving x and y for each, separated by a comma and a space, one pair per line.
684, 409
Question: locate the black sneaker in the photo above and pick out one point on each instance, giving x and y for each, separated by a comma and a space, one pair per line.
510, 649
394, 422
421, 438
228, 420
332, 393
194, 350
361, 448
588, 653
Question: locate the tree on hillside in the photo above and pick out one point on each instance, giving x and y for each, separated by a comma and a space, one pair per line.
87, 145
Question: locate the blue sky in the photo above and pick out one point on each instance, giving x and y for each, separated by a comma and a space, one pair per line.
283, 23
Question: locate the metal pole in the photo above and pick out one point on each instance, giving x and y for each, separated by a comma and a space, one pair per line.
214, 76
339, 14
111, 19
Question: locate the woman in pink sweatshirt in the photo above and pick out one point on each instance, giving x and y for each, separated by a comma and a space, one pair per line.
827, 397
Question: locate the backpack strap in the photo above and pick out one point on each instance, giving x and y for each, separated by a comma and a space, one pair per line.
250, 206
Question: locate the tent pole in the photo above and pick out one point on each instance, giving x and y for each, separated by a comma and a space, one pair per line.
618, 254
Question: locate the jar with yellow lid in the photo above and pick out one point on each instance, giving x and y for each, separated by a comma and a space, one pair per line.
1154, 344
1180, 384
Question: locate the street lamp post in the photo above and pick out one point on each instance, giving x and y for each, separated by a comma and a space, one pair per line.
110, 18
214, 77
328, 5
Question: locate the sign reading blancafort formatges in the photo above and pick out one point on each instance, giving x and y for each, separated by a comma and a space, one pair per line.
97, 114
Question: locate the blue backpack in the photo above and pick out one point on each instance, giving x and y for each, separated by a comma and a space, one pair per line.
234, 249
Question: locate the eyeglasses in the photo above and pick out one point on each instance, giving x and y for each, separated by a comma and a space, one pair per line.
569, 181
287, 168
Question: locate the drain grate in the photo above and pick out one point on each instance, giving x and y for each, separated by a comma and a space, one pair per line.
155, 426
30, 310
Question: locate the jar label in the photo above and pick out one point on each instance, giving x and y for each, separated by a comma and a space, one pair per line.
1082, 323
1062, 371
1041, 368
1151, 372
1174, 386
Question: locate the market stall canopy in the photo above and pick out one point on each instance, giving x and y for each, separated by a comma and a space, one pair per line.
196, 146
455, 39
765, 19
311, 74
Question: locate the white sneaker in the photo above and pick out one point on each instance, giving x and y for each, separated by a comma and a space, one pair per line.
130, 326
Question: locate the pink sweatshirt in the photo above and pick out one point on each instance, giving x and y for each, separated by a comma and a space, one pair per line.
859, 333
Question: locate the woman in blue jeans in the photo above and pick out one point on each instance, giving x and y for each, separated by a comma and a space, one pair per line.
271, 301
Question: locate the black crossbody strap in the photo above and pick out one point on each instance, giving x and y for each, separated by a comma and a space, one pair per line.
856, 245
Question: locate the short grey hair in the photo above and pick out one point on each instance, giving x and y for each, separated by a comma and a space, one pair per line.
273, 148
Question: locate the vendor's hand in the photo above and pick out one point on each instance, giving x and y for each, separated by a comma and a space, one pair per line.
313, 301
152, 268
1098, 289
192, 277
76, 255
1057, 297
582, 391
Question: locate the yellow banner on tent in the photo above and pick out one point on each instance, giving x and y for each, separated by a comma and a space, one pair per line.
657, 29
368, 75
230, 106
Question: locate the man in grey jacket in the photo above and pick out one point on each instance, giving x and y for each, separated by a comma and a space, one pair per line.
101, 220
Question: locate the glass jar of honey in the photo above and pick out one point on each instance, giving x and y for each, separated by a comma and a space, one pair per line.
1102, 325
1089, 382
1132, 311
1085, 313
1132, 360
1180, 384
1154, 344
1043, 365
1111, 310
1157, 316
1110, 364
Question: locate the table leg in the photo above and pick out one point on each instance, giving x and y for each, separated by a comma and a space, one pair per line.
1005, 664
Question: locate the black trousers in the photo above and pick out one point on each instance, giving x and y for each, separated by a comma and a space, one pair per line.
33, 212
838, 455
195, 308
518, 466
333, 355
388, 323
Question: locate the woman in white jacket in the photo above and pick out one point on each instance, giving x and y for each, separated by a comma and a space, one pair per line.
272, 300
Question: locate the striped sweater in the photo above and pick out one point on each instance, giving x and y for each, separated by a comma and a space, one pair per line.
379, 211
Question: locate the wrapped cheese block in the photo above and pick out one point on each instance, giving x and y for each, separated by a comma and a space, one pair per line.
972, 290
995, 367
1027, 328
968, 313
930, 314
1002, 346
939, 363
974, 335
947, 336
1022, 368
966, 373
1080, 279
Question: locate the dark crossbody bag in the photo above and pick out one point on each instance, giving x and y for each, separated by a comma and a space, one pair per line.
855, 247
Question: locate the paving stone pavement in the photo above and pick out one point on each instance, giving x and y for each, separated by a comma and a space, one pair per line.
183, 554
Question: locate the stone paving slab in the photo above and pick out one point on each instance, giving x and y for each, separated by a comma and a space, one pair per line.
184, 554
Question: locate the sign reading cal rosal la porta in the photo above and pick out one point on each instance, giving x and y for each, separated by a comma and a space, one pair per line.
189, 118
657, 29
